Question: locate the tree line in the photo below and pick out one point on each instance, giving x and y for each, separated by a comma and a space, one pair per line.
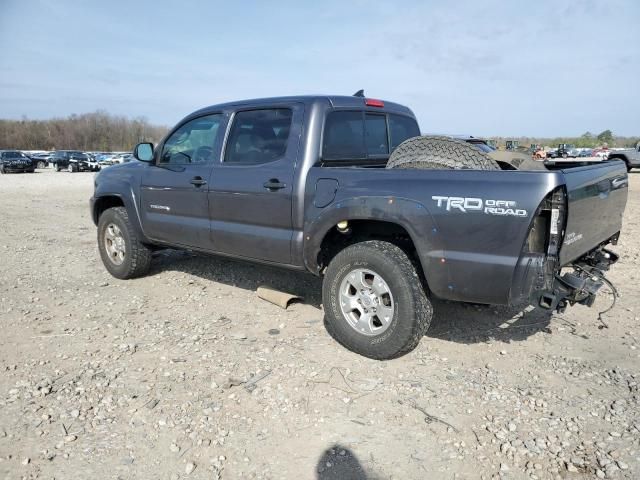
587, 140
100, 131
97, 131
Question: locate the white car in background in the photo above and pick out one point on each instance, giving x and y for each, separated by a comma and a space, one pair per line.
122, 158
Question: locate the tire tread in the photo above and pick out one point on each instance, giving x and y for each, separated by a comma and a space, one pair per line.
438, 152
421, 304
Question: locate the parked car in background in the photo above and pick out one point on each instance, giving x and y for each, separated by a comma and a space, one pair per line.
13, 161
73, 161
123, 158
630, 156
41, 159
564, 150
586, 152
601, 153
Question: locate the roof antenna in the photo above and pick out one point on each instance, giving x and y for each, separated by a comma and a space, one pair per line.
359, 93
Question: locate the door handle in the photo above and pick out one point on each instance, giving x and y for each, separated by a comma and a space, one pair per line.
274, 184
198, 181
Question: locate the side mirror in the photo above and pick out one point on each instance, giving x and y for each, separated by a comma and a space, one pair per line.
144, 152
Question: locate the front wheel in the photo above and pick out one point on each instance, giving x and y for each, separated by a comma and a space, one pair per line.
374, 301
122, 253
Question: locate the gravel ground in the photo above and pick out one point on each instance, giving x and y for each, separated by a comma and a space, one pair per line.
187, 374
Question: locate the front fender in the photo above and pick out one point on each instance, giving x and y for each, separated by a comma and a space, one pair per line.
413, 216
127, 193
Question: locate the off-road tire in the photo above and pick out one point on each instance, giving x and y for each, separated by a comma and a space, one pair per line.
412, 309
441, 153
137, 257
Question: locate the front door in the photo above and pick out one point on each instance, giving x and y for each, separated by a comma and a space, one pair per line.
174, 192
250, 191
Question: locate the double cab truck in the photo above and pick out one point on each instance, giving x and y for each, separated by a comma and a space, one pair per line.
347, 189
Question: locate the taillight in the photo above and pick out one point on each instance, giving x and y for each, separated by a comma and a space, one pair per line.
372, 102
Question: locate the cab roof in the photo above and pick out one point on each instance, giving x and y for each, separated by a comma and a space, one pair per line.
336, 101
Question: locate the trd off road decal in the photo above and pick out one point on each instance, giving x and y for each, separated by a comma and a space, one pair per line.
488, 206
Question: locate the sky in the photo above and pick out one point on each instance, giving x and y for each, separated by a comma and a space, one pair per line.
510, 68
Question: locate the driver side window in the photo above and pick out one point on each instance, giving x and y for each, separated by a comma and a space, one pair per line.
192, 143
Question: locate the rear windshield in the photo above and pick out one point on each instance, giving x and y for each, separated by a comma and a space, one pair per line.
359, 135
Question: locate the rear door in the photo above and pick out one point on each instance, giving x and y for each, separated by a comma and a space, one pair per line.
597, 198
174, 191
250, 194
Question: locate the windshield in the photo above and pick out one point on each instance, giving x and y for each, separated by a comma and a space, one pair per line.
13, 155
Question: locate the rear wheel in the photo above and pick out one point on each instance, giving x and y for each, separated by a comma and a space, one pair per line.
70, 168
432, 152
58, 168
374, 301
122, 253
41, 165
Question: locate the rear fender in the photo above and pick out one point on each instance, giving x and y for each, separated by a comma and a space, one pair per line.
413, 216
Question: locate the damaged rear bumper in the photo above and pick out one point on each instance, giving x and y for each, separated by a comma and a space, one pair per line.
552, 288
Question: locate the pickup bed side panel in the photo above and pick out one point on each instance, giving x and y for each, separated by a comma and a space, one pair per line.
468, 226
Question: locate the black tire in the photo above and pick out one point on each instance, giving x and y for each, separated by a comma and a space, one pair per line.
71, 168
137, 259
412, 309
41, 165
443, 153
1, 170
57, 168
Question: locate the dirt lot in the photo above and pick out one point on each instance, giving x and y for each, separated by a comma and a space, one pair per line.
102, 378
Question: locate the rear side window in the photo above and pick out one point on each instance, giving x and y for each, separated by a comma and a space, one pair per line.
343, 136
401, 128
359, 135
258, 136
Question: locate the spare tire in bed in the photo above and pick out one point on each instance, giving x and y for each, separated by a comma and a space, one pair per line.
441, 153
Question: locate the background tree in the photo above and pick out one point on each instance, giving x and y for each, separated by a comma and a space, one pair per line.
97, 131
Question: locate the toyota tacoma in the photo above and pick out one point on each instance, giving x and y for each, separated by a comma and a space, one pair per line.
347, 189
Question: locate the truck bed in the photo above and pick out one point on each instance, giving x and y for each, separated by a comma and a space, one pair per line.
470, 227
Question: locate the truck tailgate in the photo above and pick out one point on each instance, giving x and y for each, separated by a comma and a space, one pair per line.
597, 195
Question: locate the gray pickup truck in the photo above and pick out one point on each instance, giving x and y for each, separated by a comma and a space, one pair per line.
346, 188
630, 156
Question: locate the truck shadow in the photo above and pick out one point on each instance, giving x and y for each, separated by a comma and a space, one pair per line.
239, 274
473, 323
452, 321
